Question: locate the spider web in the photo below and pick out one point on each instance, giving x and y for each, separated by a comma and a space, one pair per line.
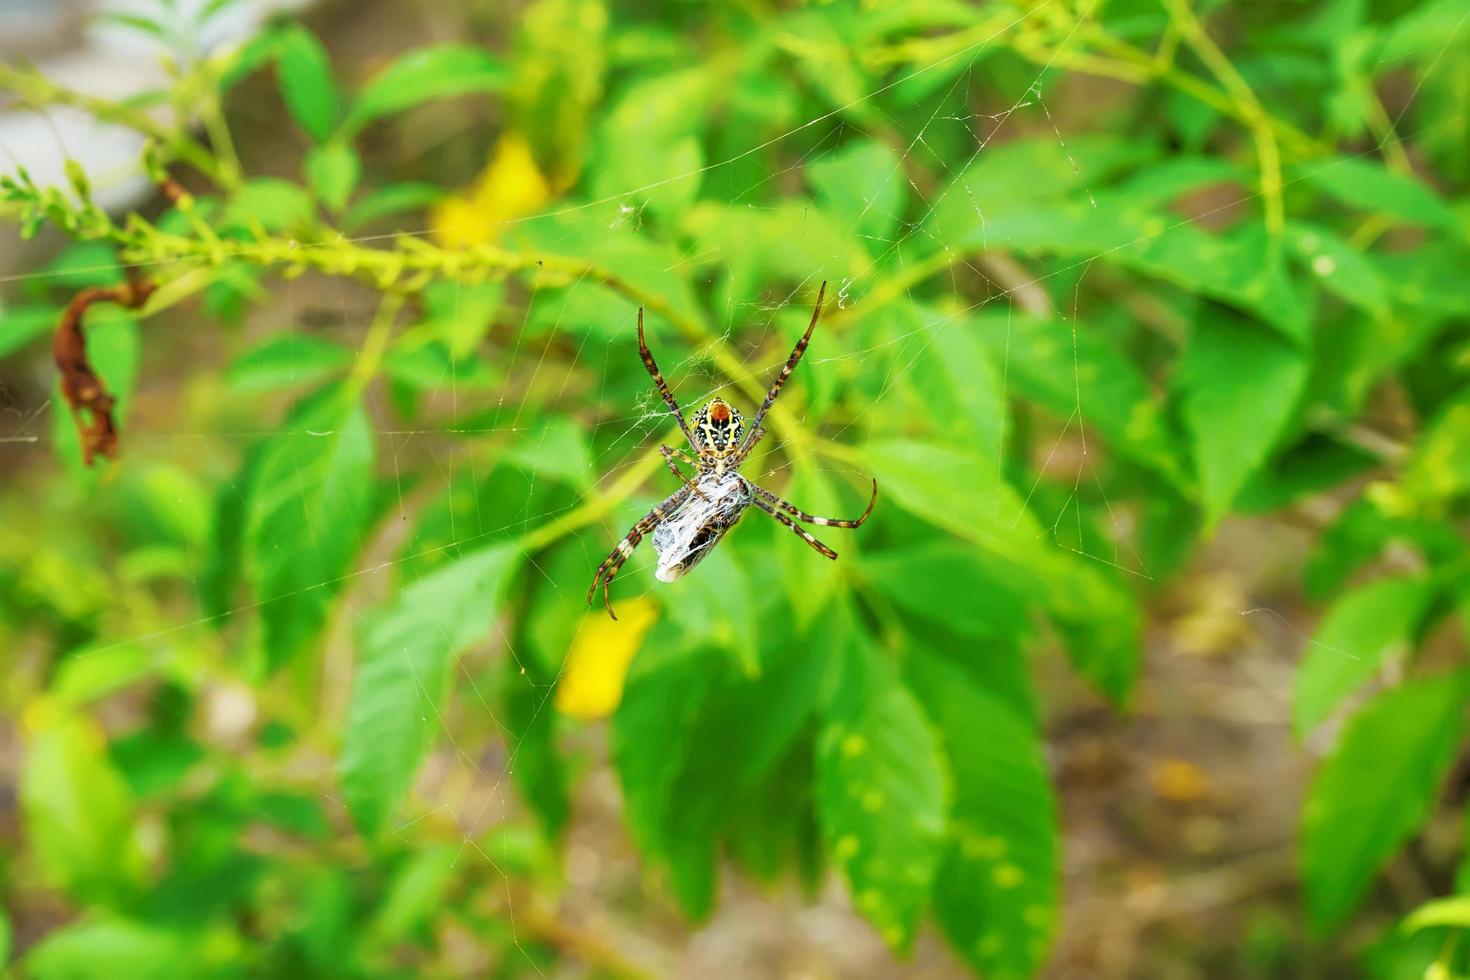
464, 783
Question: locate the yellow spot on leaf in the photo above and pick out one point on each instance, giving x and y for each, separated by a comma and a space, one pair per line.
597, 664
510, 187
854, 745
873, 800
845, 848
1007, 876
992, 847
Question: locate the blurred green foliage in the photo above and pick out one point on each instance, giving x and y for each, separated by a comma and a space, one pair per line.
275, 670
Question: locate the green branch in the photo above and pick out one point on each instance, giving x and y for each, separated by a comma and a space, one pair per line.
40, 91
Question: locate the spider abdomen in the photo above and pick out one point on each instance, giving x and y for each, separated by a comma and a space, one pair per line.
697, 524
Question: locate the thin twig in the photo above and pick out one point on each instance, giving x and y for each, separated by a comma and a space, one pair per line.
37, 90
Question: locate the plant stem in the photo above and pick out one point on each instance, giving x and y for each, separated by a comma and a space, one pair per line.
40, 91
370, 358
1249, 108
600, 505
228, 174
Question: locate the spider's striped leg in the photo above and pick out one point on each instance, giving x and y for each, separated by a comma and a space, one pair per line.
670, 454
756, 435
786, 370
800, 531
802, 515
618, 555
658, 379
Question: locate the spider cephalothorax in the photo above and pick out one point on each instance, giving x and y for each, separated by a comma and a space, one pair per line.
717, 427
691, 521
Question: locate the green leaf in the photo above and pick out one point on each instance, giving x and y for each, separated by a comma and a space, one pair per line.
774, 830
1244, 268
84, 264
387, 201
1360, 632
1453, 911
287, 360
474, 510
1340, 267
863, 184
635, 258
333, 170
882, 798
1422, 32
78, 811
540, 772
306, 83
952, 586
88, 674
1375, 791
995, 898
810, 582
828, 63
273, 204
1066, 367
428, 73
732, 762
787, 241
407, 653
154, 763
558, 450
296, 814
1362, 533
1238, 385
1010, 176
460, 315
959, 377
309, 505
19, 325
963, 495
1369, 186
112, 948
718, 606
220, 572
562, 50
652, 741
1431, 278
1165, 181
663, 168
429, 367
688, 756
254, 54
957, 491
1318, 463
1439, 467
416, 895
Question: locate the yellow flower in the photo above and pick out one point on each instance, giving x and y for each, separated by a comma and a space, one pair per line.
510, 187
597, 664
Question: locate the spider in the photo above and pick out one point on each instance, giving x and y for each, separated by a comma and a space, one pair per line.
689, 522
